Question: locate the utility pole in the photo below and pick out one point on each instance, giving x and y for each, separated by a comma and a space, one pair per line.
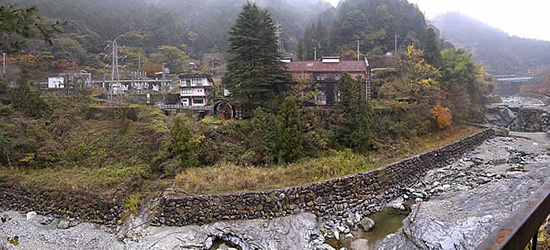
315, 53
395, 44
278, 31
163, 83
115, 87
358, 52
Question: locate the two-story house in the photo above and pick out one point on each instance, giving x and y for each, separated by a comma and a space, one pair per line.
327, 72
194, 89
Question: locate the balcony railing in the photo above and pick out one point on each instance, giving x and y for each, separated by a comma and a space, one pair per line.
179, 106
523, 225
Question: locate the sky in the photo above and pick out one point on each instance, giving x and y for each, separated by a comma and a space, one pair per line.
526, 18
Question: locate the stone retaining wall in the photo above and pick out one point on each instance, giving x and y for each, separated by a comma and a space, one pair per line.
76, 205
364, 193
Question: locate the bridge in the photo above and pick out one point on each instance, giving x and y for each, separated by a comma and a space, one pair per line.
508, 85
515, 79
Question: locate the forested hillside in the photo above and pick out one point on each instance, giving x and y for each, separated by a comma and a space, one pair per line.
498, 51
177, 32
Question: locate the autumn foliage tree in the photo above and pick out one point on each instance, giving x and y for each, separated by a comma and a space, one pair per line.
416, 80
441, 115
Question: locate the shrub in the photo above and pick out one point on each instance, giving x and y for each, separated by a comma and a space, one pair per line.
27, 100
289, 141
184, 143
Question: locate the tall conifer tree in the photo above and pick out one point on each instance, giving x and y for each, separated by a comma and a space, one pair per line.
255, 76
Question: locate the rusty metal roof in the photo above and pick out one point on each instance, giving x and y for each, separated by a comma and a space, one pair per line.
318, 66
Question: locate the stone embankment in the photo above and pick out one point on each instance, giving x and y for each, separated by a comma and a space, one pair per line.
362, 193
73, 206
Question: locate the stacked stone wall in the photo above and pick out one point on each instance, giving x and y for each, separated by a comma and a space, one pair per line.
363, 193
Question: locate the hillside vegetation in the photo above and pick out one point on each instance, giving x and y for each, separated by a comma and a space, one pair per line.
498, 51
76, 140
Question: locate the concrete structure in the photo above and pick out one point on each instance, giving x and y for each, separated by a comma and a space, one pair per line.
327, 72
194, 89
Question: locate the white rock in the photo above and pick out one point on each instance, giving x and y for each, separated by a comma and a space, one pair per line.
63, 224
360, 244
367, 224
31, 215
336, 235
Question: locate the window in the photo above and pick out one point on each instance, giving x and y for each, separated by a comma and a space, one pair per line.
198, 101
321, 99
186, 82
337, 77
197, 82
320, 77
185, 102
185, 91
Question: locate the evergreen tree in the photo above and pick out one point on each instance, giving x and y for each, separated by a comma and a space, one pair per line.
300, 55
25, 99
432, 51
356, 124
184, 144
19, 24
255, 76
263, 136
289, 144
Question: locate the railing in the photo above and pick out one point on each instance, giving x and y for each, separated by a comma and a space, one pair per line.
179, 106
517, 231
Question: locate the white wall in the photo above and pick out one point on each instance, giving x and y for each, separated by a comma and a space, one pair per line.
55, 82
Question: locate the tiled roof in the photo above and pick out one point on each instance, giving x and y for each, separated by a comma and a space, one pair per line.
318, 66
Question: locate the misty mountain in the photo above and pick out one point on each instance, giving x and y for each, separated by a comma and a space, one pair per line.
497, 50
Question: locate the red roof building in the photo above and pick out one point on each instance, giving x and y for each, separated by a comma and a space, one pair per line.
326, 73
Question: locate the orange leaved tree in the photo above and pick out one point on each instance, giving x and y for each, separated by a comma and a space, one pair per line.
441, 115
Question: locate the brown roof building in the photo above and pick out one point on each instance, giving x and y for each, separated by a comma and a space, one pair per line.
326, 73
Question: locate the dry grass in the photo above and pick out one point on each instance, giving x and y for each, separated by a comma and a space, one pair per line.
228, 177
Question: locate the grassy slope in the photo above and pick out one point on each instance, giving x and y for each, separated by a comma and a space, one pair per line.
110, 157
227, 177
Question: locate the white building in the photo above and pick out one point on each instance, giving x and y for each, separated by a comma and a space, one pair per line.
56, 82
194, 89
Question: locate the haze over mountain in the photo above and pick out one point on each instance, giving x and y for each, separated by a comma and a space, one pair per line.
497, 50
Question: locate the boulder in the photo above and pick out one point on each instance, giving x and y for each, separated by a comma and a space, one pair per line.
397, 204
63, 224
360, 244
31, 215
46, 220
367, 224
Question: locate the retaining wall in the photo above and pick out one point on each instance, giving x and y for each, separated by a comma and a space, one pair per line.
76, 205
364, 193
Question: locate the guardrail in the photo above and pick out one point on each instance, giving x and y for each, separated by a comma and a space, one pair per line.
178, 106
516, 231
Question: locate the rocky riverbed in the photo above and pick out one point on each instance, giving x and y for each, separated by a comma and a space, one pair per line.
460, 204
520, 113
469, 198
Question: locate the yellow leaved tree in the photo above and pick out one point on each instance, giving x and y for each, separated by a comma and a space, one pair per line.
441, 115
